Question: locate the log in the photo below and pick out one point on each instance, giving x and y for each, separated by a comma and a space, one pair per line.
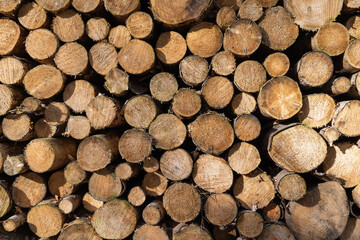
154, 212
28, 189
116, 82
247, 127
151, 164
321, 214
217, 92
121, 9
225, 232
332, 38
10, 97
41, 45
170, 47
140, 25
243, 103
280, 98
54, 6
352, 3
191, 232
182, 202
242, 38
97, 151
12, 70
140, 111
45, 220
186, 103
11, 36
249, 224
317, 110
163, 87
352, 25
337, 86
296, 148
70, 203
212, 133
68, 26
9, 7
193, 70
74, 174
313, 14
213, 174
15, 164
352, 229
254, 190
125, 170
97, 28
17, 127
32, 16
43, 81
268, 3
249, 76
86, 6
114, 220
31, 105
341, 163
355, 193
103, 57
180, 13
58, 186
167, 131
346, 118
136, 196
13, 222
251, 9
78, 229
5, 199
176, 165
150, 232
272, 212
235, 4
279, 31
223, 63
7, 149
291, 186
56, 113
104, 112
48, 154
90, 203
276, 231
119, 36
78, 127
330, 134
350, 61
72, 59
225, 16
135, 145
314, 69
44, 130
137, 57
243, 158
154, 184
277, 64
104, 185
220, 209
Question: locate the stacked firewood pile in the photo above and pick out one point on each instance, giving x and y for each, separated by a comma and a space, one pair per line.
186, 119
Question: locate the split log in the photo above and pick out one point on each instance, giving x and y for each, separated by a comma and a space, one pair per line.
186, 103
168, 131
86, 6
125, 170
163, 87
254, 190
191, 232
277, 64
251, 9
247, 127
242, 37
332, 38
225, 16
135, 145
137, 57
136, 196
54, 6
103, 57
119, 36
151, 164
121, 9
70, 203
212, 133
5, 199
249, 76
140, 25
337, 86
43, 81
223, 63
78, 127
193, 70
74, 174
243, 103
97, 151
28, 189
41, 45
350, 59
250, 224
78, 229
352, 229
114, 220
321, 214
276, 231
17, 127
279, 31
11, 36
150, 232
44, 130
140, 111
217, 92
12, 70
13, 222
243, 158
313, 14
154, 184
72, 59
330, 134
116, 82
104, 185
154, 212
176, 165
280, 98
346, 118
213, 174
182, 202
272, 212
296, 148
317, 110
56, 113
58, 186
97, 28
31, 105
15, 164
314, 69
291, 186
90, 203
32, 16
48, 154
10, 97
68, 26
220, 209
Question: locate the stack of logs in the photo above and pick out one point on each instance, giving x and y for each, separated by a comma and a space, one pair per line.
186, 119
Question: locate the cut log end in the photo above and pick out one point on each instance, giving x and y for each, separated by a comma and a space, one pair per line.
193, 70
249, 76
250, 224
277, 64
97, 28
220, 209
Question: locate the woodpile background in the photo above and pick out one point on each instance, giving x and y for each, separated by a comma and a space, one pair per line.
186, 119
